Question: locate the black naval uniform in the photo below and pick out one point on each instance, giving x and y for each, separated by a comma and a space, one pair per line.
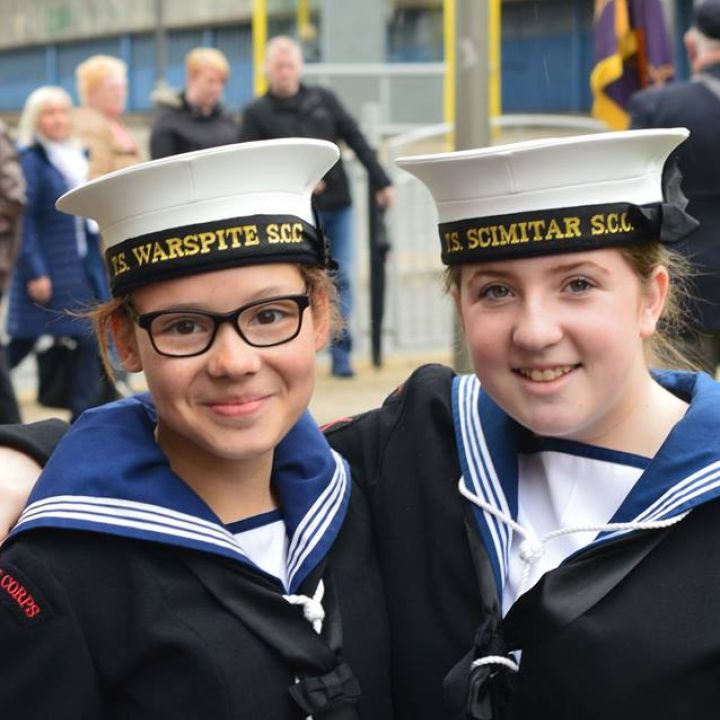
113, 606
625, 628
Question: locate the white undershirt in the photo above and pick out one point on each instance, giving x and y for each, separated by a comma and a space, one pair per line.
558, 489
266, 544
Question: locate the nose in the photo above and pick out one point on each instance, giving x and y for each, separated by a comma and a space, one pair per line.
536, 327
230, 355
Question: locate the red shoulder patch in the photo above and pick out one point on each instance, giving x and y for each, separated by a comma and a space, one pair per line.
23, 601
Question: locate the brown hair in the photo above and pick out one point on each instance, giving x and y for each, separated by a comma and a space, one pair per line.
664, 348
318, 281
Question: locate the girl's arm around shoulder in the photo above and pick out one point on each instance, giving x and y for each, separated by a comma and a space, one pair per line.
419, 407
45, 665
24, 449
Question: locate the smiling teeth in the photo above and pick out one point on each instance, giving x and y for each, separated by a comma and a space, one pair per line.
546, 375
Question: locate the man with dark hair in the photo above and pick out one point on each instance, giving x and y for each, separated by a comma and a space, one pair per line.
695, 104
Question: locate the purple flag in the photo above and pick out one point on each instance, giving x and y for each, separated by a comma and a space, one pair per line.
632, 51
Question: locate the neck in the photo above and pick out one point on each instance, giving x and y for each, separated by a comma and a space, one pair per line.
706, 60
285, 93
233, 489
649, 416
203, 109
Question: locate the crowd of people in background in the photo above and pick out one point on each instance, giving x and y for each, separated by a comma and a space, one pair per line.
59, 273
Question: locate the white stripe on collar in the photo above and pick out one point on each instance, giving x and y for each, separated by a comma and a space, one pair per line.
481, 476
316, 521
679, 498
658, 502
140, 520
170, 525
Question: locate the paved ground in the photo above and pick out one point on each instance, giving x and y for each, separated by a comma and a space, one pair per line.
334, 397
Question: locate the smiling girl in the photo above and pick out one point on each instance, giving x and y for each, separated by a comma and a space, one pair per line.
592, 480
166, 566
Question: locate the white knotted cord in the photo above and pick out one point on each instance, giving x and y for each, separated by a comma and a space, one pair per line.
312, 606
312, 610
496, 660
532, 548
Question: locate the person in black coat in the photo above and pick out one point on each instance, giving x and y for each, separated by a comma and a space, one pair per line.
12, 204
194, 119
695, 104
290, 108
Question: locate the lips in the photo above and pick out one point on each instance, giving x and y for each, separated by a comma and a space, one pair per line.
237, 406
547, 374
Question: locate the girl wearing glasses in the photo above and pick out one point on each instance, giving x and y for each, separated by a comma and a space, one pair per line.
165, 568
548, 525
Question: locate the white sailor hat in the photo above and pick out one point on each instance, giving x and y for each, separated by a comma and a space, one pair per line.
556, 195
242, 204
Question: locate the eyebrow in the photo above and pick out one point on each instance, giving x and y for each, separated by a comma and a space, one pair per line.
580, 265
559, 269
201, 306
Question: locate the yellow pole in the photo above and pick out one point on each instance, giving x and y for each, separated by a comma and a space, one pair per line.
259, 40
495, 79
449, 36
304, 28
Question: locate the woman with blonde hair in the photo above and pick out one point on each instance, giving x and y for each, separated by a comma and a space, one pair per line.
59, 269
102, 87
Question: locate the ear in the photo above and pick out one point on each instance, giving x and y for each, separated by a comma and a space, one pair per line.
122, 330
653, 300
320, 308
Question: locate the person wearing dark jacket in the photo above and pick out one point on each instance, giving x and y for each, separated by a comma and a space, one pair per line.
292, 109
12, 204
695, 104
563, 501
195, 118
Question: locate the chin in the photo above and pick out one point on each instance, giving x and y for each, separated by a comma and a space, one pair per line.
552, 426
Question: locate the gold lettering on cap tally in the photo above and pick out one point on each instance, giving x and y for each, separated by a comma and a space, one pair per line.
119, 264
284, 233
209, 241
452, 242
610, 223
203, 243
514, 233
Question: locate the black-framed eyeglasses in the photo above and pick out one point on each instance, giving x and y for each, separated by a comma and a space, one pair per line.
185, 333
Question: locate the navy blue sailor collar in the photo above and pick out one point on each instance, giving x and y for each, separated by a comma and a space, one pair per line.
109, 475
684, 474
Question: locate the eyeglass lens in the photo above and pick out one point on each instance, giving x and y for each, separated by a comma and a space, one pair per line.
262, 324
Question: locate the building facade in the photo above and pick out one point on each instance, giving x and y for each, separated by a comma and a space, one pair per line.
547, 48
